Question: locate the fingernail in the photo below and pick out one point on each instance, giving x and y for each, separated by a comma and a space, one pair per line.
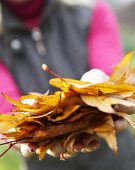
94, 145
78, 146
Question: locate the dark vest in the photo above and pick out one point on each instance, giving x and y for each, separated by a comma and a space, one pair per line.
64, 34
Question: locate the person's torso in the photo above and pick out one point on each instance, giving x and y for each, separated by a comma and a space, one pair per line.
63, 32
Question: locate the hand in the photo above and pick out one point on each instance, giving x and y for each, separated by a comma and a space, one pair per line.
122, 108
84, 143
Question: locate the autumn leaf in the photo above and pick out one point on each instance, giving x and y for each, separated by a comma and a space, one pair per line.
109, 136
123, 68
105, 103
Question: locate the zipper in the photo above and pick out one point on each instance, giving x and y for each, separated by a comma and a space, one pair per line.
38, 38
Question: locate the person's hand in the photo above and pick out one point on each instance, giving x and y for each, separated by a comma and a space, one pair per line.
85, 142
82, 143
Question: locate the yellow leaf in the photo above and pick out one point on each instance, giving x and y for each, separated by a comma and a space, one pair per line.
123, 67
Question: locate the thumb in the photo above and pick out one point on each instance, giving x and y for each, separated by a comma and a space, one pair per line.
26, 150
95, 76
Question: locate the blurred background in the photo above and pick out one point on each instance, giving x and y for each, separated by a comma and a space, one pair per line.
125, 13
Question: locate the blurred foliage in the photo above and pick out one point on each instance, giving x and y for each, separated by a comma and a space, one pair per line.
11, 160
128, 38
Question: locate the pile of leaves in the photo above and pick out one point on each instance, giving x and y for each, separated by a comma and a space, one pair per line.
77, 108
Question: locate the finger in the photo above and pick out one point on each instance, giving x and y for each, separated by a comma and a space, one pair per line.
66, 155
92, 146
90, 76
120, 124
55, 149
83, 143
27, 151
86, 140
125, 109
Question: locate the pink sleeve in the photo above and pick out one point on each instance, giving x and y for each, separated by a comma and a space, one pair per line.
104, 46
7, 86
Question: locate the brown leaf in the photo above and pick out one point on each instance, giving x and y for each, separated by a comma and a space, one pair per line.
109, 136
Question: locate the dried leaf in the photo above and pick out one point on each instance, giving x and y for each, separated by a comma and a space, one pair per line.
122, 68
104, 103
109, 136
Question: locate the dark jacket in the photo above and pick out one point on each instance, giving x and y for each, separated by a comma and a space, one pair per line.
64, 31
63, 35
